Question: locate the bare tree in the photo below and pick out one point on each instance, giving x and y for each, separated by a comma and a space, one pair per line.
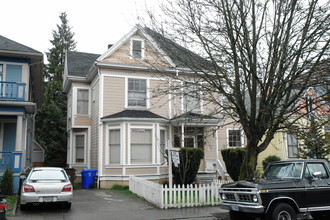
253, 58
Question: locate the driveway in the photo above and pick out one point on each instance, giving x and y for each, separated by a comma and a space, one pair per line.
100, 204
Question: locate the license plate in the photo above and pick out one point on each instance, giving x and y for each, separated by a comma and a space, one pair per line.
47, 199
234, 207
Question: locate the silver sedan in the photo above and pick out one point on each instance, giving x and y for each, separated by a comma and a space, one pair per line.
46, 185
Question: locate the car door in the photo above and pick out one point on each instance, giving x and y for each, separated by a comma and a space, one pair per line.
317, 188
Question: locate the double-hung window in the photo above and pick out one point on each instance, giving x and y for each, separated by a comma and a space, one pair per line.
137, 92
137, 49
80, 146
82, 101
292, 144
114, 146
141, 146
234, 137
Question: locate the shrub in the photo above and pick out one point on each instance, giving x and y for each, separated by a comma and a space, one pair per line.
190, 159
233, 158
7, 182
269, 159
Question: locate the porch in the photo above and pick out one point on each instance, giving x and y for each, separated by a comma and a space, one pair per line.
13, 161
12, 91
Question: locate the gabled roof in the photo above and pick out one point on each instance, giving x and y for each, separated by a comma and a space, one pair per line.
10, 45
182, 57
79, 63
134, 114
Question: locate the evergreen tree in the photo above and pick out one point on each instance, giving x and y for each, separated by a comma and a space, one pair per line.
51, 116
314, 143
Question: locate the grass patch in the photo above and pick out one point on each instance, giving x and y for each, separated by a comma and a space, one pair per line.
11, 203
121, 189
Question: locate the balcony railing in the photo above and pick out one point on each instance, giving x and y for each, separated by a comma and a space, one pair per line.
11, 159
12, 91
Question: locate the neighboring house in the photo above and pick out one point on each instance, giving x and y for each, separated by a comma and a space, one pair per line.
117, 123
286, 143
20, 94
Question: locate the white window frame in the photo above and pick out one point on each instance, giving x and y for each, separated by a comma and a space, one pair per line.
142, 48
74, 147
147, 106
75, 101
287, 145
162, 158
153, 156
227, 137
107, 151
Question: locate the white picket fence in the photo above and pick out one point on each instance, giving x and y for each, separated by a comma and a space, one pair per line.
177, 196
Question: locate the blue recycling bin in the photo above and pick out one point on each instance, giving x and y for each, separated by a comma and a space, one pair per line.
88, 178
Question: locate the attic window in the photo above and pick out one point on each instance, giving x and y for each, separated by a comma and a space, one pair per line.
136, 49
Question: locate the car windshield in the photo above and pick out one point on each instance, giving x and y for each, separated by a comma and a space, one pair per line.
47, 175
283, 170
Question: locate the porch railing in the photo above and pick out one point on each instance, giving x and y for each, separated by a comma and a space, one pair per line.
11, 159
12, 91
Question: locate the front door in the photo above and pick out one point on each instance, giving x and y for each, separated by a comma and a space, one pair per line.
9, 137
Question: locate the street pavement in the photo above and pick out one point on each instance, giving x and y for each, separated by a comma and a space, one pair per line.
98, 204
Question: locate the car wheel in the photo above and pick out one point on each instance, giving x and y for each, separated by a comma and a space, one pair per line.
239, 216
282, 211
320, 215
23, 207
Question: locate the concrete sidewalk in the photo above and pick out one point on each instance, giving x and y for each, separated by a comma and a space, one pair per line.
97, 204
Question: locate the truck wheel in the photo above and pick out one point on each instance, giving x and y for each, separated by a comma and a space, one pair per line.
282, 211
239, 216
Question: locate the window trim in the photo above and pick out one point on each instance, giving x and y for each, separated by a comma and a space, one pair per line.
75, 148
227, 137
75, 101
129, 138
147, 106
107, 151
142, 48
287, 145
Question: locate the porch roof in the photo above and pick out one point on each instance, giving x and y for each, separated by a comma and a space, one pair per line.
132, 114
195, 119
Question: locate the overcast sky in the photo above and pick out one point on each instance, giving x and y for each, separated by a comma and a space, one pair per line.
96, 23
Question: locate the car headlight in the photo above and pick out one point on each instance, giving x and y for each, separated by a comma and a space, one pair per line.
223, 196
255, 198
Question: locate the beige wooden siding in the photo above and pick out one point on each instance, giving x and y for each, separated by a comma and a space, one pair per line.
94, 129
113, 171
140, 171
209, 144
114, 95
159, 102
82, 121
123, 55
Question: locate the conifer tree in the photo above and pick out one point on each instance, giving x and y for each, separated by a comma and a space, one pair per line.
51, 117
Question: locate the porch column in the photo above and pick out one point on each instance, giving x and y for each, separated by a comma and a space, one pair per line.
182, 135
19, 133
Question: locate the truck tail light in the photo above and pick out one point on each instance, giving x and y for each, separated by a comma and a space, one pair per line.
28, 188
67, 188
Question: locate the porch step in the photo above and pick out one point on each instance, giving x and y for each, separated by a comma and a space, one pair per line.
205, 177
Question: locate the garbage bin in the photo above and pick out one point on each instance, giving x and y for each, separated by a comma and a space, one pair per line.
71, 172
88, 178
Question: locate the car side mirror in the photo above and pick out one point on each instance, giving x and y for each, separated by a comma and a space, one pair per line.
317, 175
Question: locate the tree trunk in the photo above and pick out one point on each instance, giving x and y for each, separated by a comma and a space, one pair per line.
250, 162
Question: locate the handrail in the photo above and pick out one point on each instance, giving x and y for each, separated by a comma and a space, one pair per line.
12, 90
